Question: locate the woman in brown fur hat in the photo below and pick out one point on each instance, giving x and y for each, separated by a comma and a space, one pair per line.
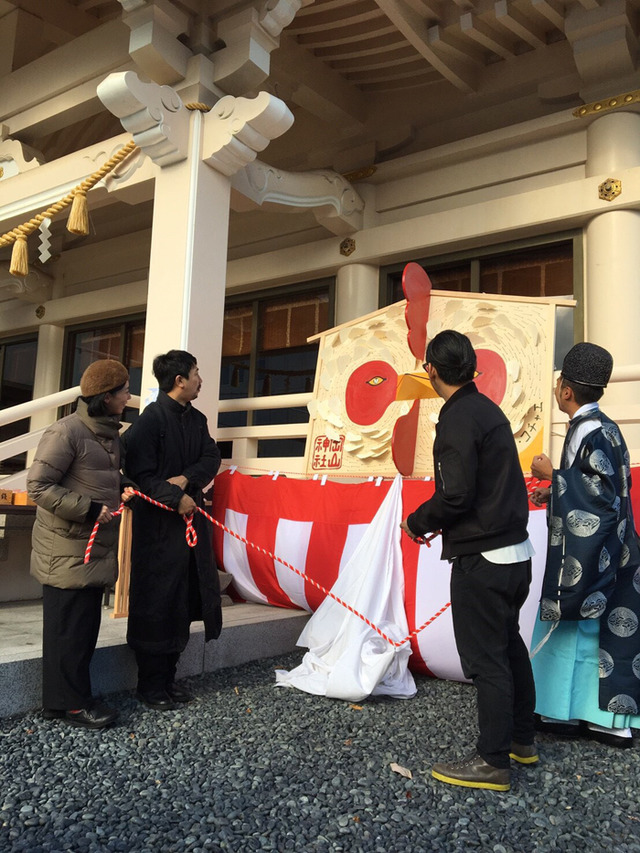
75, 481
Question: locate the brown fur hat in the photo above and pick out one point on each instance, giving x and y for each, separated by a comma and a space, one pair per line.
101, 376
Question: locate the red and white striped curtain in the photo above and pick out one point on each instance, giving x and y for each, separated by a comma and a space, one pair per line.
316, 529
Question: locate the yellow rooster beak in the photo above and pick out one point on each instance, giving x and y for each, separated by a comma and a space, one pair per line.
415, 386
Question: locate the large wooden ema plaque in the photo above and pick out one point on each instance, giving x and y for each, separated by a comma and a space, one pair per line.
374, 412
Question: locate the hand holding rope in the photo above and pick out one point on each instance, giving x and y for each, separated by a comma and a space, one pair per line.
190, 533
192, 538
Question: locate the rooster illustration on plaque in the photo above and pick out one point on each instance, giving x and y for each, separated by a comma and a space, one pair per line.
374, 411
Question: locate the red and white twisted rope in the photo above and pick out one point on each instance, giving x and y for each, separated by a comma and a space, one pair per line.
192, 538
92, 535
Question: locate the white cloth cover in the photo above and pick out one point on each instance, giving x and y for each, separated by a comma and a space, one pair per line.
347, 659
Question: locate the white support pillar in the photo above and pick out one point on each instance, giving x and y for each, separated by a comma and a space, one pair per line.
613, 143
357, 287
198, 153
48, 369
612, 295
47, 375
187, 270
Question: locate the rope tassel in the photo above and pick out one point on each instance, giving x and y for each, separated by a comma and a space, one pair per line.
19, 258
78, 222
78, 218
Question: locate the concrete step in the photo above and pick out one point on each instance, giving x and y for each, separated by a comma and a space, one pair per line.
250, 632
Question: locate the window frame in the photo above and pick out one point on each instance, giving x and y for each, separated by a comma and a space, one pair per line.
67, 352
474, 256
25, 338
257, 297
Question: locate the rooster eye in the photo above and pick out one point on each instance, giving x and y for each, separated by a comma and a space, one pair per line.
376, 380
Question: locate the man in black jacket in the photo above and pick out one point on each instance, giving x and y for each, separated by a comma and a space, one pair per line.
480, 505
172, 458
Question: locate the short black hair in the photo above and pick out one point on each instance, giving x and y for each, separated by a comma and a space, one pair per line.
453, 356
96, 406
176, 362
583, 394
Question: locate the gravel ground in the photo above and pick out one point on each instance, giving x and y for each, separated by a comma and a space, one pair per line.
249, 766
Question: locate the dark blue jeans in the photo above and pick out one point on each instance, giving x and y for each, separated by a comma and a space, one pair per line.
485, 603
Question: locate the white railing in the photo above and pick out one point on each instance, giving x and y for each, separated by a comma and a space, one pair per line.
254, 404
25, 410
245, 438
29, 440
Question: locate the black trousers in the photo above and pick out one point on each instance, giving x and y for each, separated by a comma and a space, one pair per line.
485, 602
70, 626
156, 672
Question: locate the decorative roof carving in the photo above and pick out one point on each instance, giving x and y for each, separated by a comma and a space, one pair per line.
153, 114
275, 15
34, 287
337, 206
250, 36
16, 158
154, 45
236, 129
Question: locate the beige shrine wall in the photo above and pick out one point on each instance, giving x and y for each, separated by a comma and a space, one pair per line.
529, 180
172, 235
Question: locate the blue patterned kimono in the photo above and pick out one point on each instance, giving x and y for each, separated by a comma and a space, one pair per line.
593, 560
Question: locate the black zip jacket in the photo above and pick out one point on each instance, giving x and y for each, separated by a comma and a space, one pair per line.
480, 502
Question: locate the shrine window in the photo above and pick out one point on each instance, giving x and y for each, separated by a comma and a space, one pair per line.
544, 267
122, 340
265, 353
17, 373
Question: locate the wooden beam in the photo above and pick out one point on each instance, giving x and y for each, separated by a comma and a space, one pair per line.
100, 51
454, 47
552, 11
474, 28
416, 31
59, 13
509, 17
89, 4
315, 86
76, 104
97, 304
8, 35
430, 9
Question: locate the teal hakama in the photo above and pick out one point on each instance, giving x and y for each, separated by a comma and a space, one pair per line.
566, 674
588, 668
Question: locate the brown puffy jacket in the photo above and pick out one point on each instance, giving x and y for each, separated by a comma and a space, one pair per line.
77, 462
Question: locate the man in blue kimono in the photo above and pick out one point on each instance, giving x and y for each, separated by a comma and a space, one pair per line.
586, 646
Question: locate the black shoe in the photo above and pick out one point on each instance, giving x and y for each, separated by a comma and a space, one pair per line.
91, 718
179, 694
609, 739
524, 753
159, 700
473, 772
52, 714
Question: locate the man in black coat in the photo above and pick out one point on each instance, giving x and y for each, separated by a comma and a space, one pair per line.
480, 505
171, 457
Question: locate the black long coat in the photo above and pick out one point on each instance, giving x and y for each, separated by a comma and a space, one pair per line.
171, 583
